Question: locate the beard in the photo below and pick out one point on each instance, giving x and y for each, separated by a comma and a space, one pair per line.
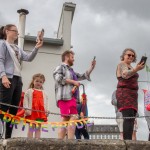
70, 62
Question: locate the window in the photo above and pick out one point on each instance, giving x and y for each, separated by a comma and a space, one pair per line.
103, 136
110, 136
114, 136
97, 136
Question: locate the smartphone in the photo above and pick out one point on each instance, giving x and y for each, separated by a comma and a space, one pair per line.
143, 59
40, 35
42, 30
94, 58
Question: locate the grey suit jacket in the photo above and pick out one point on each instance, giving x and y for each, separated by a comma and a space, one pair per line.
6, 61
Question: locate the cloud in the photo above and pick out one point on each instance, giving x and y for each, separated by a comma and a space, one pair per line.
136, 8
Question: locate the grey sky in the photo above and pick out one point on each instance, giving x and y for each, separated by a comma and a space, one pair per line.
101, 28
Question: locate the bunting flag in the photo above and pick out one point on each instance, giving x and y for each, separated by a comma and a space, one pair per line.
15, 120
147, 68
146, 99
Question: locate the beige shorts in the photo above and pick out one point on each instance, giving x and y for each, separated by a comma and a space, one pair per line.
135, 126
120, 124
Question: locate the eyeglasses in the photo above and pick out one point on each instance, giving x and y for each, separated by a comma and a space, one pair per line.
14, 31
129, 55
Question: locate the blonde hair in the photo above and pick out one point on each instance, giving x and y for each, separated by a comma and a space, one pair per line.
124, 53
38, 75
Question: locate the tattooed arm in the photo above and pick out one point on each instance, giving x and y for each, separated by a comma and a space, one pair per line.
125, 72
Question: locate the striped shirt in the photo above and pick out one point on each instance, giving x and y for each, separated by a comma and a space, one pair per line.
62, 89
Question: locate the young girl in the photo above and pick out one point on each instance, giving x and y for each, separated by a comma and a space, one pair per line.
36, 98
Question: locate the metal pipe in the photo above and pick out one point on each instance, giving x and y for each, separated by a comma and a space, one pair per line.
21, 27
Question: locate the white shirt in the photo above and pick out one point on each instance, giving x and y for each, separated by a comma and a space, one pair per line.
17, 65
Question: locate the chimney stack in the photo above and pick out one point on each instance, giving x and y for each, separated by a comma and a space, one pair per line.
64, 29
21, 28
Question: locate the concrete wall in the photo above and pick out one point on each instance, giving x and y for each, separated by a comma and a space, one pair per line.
54, 144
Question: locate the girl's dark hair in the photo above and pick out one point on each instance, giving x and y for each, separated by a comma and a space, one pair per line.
3, 30
38, 75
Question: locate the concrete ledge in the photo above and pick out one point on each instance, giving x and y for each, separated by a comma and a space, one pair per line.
55, 144
137, 145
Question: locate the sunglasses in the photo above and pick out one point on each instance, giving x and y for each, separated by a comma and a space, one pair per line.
14, 31
129, 55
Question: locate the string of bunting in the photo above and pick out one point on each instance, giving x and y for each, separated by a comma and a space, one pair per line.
15, 120
89, 117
